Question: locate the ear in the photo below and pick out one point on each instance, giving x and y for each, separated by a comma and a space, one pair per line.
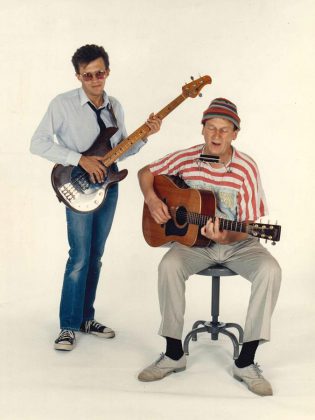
78, 76
235, 134
203, 129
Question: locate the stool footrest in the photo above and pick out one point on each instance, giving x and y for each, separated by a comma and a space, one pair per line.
215, 328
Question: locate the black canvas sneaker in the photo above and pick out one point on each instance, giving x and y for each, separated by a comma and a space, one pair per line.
65, 340
94, 327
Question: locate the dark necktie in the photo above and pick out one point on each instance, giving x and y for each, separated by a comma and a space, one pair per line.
98, 116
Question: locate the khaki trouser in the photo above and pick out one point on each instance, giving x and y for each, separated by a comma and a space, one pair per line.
248, 258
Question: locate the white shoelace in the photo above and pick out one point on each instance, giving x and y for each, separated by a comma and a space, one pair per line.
66, 335
162, 356
92, 323
257, 370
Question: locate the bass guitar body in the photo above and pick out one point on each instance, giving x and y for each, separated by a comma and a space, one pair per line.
73, 186
180, 200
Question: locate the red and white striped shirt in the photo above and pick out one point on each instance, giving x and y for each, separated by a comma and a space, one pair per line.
237, 187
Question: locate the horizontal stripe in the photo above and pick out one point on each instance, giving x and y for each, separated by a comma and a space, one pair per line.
243, 181
221, 110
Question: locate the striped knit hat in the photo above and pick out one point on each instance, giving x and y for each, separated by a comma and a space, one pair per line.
222, 108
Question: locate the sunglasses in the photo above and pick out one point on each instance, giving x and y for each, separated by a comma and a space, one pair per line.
99, 75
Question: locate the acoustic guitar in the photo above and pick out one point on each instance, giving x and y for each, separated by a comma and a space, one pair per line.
72, 184
190, 209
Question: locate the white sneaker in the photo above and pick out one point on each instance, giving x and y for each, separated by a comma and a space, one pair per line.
162, 367
253, 378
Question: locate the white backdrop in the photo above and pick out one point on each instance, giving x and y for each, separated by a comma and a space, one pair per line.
260, 55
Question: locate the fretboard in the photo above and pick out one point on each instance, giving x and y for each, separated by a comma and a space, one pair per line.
139, 134
201, 220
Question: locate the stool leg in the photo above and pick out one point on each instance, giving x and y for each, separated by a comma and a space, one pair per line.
234, 341
239, 328
215, 299
190, 335
215, 305
195, 325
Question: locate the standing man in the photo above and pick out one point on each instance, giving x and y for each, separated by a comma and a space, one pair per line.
236, 184
69, 127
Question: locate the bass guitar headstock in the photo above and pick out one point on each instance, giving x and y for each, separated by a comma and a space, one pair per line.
265, 231
193, 88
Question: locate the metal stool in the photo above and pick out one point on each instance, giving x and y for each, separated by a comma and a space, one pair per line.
214, 327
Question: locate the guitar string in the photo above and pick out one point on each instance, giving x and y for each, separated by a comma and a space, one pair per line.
201, 219
80, 178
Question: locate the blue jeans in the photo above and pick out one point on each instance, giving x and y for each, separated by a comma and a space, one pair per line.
87, 234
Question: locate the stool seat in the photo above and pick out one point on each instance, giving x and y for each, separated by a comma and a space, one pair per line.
217, 270
214, 327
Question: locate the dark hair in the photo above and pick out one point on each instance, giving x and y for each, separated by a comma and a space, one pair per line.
88, 53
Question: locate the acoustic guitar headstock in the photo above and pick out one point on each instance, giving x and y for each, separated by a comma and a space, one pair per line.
265, 231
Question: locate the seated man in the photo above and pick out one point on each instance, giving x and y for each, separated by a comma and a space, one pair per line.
239, 196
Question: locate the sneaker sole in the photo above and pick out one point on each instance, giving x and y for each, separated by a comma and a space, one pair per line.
167, 374
102, 335
63, 347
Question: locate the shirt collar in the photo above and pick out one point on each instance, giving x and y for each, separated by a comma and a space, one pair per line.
84, 99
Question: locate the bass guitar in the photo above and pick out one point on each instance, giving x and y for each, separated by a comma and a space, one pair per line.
72, 184
190, 209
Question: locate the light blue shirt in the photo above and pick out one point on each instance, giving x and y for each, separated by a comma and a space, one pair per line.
70, 127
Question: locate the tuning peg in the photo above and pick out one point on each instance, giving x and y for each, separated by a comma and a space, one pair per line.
192, 77
273, 243
200, 95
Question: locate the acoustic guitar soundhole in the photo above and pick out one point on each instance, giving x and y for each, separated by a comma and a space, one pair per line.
181, 216
178, 224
